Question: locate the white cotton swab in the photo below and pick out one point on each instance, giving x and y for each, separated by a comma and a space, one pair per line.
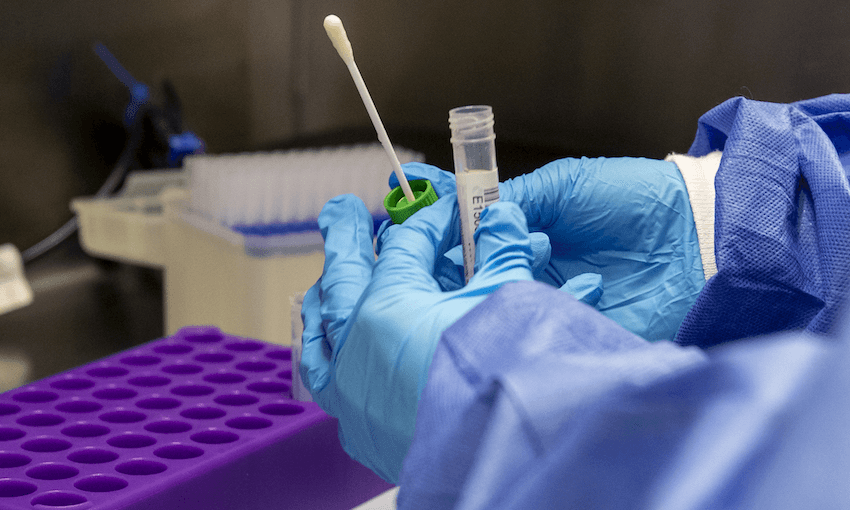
337, 35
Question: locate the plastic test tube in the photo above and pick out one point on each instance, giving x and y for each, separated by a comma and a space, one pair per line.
473, 144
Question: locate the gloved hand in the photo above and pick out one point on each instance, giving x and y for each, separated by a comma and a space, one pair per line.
371, 327
627, 219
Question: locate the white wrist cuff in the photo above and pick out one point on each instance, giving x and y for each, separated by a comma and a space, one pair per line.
699, 173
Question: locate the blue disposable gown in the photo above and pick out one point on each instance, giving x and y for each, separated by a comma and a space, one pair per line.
782, 235
535, 400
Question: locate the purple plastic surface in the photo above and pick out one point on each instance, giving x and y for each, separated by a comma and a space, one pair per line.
199, 420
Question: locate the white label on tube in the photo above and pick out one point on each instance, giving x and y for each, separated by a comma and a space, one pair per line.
476, 189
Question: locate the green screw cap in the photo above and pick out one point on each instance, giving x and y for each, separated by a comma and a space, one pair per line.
398, 206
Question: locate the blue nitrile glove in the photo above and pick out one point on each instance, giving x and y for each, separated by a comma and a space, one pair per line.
371, 327
449, 272
627, 219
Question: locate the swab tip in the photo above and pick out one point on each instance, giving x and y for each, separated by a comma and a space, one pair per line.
336, 33
332, 20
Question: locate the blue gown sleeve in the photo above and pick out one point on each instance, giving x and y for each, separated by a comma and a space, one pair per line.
537, 401
782, 219
503, 381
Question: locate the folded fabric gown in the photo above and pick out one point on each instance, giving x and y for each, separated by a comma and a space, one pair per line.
505, 378
782, 219
538, 401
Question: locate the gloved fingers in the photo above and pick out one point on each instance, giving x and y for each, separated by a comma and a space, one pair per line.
502, 246
586, 287
541, 249
346, 226
409, 251
379, 235
543, 194
449, 270
315, 351
442, 181
600, 203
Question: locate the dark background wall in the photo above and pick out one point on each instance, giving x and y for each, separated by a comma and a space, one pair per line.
601, 77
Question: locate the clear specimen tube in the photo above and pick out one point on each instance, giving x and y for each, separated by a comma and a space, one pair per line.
474, 146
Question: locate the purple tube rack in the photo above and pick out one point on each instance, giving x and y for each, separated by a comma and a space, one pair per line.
199, 420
